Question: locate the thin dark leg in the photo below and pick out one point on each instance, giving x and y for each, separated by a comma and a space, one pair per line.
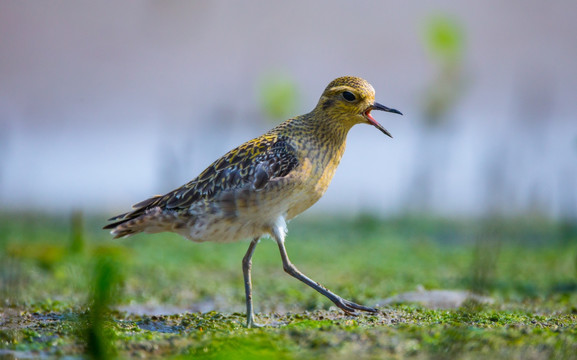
246, 267
347, 306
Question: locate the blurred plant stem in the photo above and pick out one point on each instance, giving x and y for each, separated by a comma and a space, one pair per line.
444, 41
77, 238
12, 281
485, 257
105, 288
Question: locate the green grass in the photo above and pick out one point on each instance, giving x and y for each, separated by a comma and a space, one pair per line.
63, 281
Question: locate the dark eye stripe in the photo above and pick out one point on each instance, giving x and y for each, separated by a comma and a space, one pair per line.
349, 96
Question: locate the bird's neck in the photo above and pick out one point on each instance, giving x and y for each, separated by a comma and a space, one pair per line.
330, 132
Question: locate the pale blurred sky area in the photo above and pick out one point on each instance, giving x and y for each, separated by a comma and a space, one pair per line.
104, 103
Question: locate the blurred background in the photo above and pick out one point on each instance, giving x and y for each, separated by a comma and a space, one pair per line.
103, 104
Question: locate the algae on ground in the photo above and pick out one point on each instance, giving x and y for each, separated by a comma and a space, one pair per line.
48, 284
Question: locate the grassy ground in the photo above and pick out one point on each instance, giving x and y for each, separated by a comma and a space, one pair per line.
67, 289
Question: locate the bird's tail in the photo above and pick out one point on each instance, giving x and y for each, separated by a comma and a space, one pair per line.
153, 220
144, 217
125, 226
122, 228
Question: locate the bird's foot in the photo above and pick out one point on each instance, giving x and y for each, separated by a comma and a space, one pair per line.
250, 323
350, 307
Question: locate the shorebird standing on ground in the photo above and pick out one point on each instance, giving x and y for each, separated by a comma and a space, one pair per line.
253, 190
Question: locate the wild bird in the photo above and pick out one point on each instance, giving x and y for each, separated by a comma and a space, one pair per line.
253, 190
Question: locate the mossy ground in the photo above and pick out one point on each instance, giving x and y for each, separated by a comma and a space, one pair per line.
69, 290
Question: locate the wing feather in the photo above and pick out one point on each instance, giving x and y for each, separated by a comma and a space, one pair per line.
251, 165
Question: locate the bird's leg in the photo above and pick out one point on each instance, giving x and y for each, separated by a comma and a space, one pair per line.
246, 267
347, 306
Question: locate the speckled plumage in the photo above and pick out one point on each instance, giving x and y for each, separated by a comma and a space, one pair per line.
254, 189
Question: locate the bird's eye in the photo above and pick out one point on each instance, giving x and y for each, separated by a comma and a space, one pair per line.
349, 96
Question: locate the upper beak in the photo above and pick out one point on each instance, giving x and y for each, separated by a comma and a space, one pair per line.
377, 106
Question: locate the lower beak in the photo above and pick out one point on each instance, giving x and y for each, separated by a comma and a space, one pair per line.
377, 106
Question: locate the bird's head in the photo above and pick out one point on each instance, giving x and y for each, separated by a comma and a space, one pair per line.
350, 100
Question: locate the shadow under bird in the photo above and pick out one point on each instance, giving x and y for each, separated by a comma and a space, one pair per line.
253, 190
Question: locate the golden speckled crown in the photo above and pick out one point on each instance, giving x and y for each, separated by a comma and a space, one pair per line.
352, 81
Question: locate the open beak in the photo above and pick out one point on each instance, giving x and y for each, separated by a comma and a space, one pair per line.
377, 106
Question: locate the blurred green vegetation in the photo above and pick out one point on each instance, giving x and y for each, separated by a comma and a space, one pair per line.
278, 95
61, 301
105, 289
444, 39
